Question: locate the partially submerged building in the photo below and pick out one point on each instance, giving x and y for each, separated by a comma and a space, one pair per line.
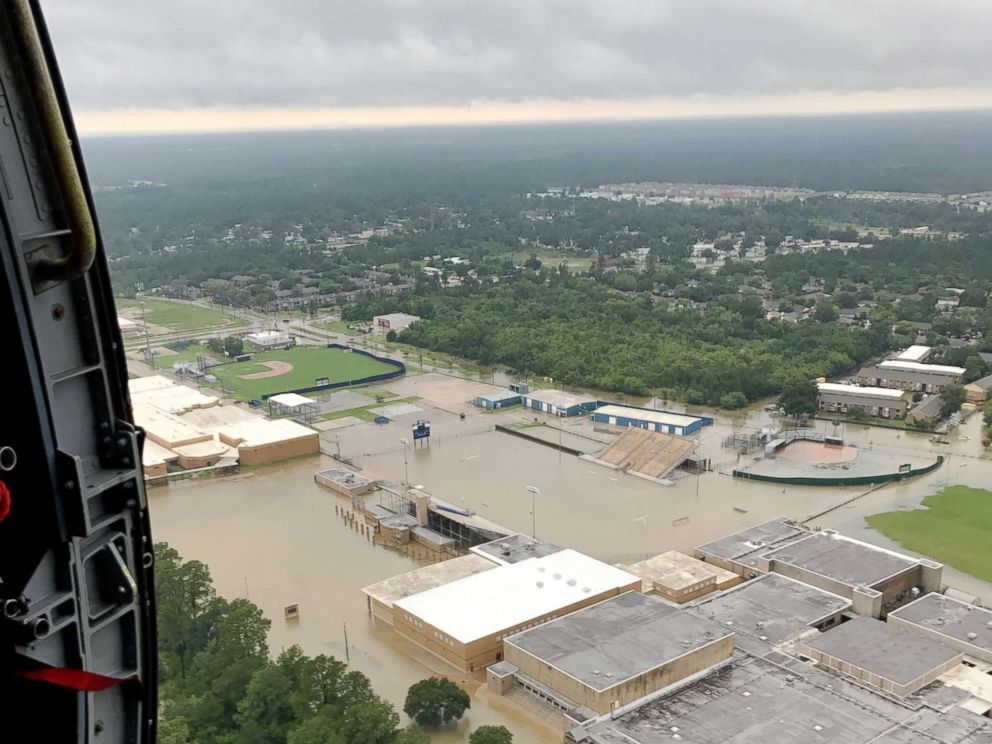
882, 402
497, 400
614, 654
344, 481
559, 403
464, 622
913, 376
383, 594
665, 422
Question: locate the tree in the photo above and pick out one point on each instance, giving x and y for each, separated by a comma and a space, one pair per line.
391, 335
374, 722
732, 400
953, 396
187, 609
233, 346
412, 735
434, 701
491, 735
825, 312
533, 263
798, 397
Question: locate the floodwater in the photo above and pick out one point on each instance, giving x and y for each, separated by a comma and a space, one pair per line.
272, 534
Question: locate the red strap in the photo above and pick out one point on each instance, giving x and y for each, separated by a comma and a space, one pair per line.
75, 679
4, 501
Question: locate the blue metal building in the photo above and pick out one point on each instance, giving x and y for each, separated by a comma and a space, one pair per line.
666, 422
559, 403
499, 399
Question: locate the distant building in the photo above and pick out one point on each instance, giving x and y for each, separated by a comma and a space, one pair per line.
902, 375
499, 399
916, 353
128, 327
883, 402
393, 322
927, 411
267, 340
978, 391
666, 422
559, 403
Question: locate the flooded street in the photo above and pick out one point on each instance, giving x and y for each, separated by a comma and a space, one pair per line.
272, 534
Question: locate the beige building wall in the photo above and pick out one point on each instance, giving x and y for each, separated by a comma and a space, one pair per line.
875, 680
481, 652
627, 691
306, 445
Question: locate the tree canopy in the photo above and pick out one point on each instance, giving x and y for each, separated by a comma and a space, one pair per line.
434, 701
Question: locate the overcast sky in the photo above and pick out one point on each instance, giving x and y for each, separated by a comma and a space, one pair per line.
423, 59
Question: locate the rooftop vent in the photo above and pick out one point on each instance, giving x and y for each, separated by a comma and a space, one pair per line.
586, 590
972, 636
571, 582
540, 584
557, 576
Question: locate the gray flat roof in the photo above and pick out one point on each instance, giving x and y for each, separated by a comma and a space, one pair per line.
515, 548
950, 617
613, 641
840, 558
753, 700
746, 545
772, 606
498, 395
883, 649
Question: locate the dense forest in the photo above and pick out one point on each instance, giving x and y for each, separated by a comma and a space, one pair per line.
580, 332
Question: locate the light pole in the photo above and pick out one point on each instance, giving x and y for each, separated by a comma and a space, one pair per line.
534, 490
406, 472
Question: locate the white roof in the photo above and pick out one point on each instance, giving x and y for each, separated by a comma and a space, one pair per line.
658, 417
398, 317
559, 398
936, 369
267, 335
260, 431
508, 596
291, 400
915, 353
125, 324
874, 392
164, 394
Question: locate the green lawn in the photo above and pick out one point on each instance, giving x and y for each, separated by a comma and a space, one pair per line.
309, 363
176, 315
955, 528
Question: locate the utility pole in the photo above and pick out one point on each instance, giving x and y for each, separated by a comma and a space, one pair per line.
534, 491
406, 472
347, 652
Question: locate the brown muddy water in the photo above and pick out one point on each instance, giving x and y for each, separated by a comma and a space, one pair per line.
272, 534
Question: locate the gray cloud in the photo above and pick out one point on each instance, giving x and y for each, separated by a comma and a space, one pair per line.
193, 53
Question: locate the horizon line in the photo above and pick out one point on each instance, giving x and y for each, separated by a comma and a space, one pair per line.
233, 120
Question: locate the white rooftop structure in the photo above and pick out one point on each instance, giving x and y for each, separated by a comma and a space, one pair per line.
291, 400
559, 398
935, 369
126, 324
865, 390
164, 394
485, 603
658, 417
268, 338
915, 353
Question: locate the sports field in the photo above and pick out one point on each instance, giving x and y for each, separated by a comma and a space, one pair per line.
289, 369
955, 528
176, 315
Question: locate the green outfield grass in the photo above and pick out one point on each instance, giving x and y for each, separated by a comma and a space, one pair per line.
955, 528
309, 363
176, 315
